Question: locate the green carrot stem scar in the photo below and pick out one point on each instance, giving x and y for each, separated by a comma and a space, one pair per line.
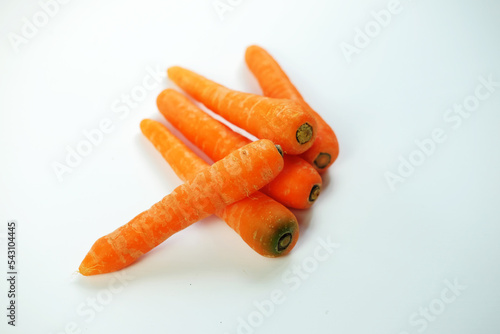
315, 191
304, 133
322, 160
284, 241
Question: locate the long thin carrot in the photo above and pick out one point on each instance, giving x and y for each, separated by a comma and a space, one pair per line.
264, 224
283, 121
276, 84
297, 186
227, 181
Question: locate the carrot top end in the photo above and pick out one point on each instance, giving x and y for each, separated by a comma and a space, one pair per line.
284, 239
145, 123
304, 133
322, 160
315, 191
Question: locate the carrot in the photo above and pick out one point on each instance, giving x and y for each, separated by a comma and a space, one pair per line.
284, 122
264, 224
276, 84
297, 186
229, 180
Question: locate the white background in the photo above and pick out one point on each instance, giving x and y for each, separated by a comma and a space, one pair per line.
397, 248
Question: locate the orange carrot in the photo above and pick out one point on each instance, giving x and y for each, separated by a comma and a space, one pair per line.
264, 224
283, 121
229, 180
297, 186
276, 84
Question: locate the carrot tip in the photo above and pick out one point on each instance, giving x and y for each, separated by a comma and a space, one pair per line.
315, 191
304, 133
322, 160
144, 124
90, 266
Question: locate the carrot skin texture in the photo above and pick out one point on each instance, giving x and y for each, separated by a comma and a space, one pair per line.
292, 187
213, 188
276, 84
258, 219
276, 119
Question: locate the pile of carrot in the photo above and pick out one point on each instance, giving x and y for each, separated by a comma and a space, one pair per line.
251, 185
